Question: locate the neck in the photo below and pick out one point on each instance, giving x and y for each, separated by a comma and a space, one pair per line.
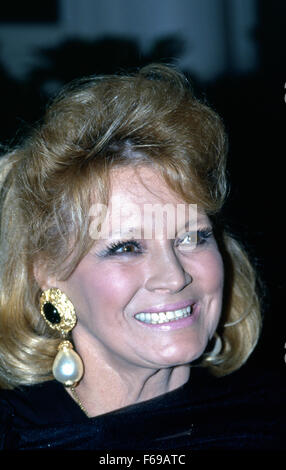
109, 385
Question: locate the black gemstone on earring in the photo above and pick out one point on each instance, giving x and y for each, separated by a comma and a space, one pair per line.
51, 313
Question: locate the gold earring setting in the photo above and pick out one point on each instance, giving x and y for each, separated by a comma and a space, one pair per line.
58, 312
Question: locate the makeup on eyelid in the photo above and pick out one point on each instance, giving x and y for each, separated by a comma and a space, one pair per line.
112, 249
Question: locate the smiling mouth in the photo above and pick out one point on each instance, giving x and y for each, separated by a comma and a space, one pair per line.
164, 317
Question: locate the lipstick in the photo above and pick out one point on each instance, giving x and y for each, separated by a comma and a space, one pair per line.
167, 322
168, 307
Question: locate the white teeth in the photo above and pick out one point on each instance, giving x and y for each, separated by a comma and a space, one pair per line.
147, 317
163, 317
170, 315
154, 317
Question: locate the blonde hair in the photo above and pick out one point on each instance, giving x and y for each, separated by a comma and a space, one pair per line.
150, 117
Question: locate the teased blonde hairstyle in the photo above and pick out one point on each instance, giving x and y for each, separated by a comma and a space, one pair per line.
147, 118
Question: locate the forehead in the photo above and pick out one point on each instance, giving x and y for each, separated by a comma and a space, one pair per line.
141, 202
142, 205
141, 185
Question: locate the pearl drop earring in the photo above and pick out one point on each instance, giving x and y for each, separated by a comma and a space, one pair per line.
59, 314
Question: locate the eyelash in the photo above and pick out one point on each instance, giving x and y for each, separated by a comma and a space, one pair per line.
111, 250
202, 236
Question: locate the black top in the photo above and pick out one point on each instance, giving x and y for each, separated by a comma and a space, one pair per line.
245, 410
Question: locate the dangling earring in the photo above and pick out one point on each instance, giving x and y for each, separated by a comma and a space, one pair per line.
210, 356
59, 314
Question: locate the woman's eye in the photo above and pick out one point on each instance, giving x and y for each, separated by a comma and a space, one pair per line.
204, 235
127, 247
188, 239
193, 239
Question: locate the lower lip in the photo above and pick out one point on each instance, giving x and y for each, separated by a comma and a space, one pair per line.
175, 324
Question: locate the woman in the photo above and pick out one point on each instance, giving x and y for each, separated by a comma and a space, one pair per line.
109, 322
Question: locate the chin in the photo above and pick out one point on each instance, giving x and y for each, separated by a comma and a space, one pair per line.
177, 356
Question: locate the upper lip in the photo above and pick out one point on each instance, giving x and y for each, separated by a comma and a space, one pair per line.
168, 307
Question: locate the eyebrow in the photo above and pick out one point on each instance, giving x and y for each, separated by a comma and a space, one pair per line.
131, 230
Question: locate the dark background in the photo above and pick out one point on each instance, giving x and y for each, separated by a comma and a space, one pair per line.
248, 94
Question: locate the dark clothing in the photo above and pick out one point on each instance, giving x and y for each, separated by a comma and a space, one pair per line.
242, 411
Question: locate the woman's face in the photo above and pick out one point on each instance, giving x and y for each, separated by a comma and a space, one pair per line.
117, 288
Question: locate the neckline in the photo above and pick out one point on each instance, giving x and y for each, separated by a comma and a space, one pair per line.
164, 398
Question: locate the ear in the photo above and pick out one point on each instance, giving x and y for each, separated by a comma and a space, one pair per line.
43, 279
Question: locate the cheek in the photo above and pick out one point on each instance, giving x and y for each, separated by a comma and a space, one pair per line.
209, 272
104, 288
211, 275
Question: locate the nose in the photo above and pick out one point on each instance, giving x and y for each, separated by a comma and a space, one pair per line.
166, 273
